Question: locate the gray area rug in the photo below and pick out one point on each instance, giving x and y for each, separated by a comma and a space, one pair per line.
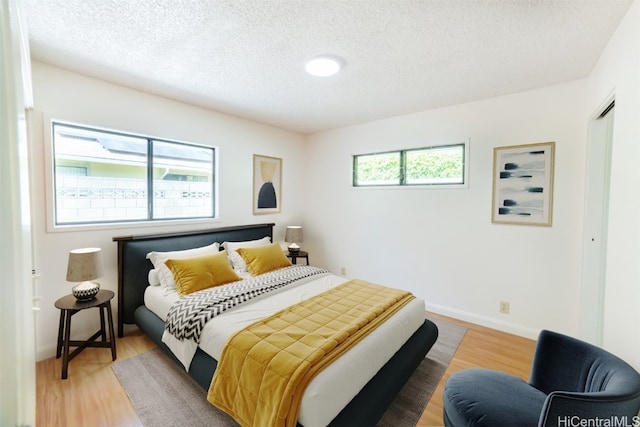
163, 395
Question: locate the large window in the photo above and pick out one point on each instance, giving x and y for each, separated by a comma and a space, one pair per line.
105, 176
437, 165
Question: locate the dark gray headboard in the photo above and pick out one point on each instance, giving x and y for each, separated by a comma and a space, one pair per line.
133, 265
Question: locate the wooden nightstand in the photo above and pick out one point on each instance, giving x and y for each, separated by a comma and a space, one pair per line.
69, 306
294, 257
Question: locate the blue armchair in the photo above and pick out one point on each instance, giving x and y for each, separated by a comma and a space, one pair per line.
572, 383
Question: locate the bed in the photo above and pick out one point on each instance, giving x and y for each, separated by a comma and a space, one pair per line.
364, 409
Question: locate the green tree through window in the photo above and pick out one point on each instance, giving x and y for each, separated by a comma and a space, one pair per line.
438, 165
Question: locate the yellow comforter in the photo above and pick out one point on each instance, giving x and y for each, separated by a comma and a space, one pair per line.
265, 368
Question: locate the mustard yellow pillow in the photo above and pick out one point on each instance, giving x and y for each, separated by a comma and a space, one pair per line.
263, 259
201, 272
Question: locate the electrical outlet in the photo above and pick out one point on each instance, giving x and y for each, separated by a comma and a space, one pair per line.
504, 307
343, 271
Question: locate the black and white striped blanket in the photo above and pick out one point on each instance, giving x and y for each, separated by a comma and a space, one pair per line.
188, 315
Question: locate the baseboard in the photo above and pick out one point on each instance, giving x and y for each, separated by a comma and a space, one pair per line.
45, 352
489, 322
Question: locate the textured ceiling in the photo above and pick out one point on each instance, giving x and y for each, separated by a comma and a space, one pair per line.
247, 57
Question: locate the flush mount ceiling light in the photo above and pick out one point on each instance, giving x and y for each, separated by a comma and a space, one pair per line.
324, 66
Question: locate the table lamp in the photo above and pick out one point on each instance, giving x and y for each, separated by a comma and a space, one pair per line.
293, 235
84, 266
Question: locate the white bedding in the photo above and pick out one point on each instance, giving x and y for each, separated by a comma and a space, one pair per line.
336, 385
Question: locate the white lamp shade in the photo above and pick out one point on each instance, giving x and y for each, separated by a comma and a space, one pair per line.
84, 264
293, 234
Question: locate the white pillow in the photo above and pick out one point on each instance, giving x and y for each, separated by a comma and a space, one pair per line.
164, 274
154, 279
234, 257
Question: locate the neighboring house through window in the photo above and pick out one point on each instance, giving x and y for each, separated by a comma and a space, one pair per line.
104, 176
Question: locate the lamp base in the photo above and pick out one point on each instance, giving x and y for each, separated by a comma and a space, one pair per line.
85, 291
294, 250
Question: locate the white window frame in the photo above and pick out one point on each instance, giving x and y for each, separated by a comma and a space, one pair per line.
50, 189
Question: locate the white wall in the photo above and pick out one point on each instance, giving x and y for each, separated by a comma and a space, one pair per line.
618, 72
440, 243
64, 95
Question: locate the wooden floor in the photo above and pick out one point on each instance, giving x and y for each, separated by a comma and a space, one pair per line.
92, 395
485, 348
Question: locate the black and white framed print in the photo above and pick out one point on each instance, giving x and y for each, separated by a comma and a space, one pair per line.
523, 184
267, 184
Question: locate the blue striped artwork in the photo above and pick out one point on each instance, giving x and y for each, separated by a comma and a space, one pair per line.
523, 184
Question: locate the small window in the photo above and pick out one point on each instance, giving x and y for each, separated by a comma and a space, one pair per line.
437, 165
107, 176
377, 169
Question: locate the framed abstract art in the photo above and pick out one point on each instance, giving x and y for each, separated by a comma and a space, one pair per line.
523, 184
267, 184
